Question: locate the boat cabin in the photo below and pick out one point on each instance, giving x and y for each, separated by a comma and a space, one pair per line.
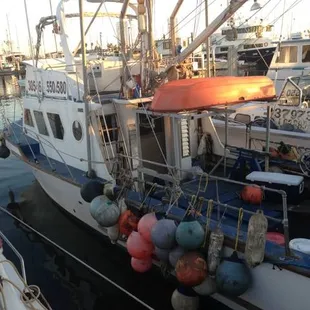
291, 58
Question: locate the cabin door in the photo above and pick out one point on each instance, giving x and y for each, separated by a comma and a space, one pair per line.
153, 147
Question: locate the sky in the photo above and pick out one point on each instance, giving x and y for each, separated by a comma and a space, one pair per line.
294, 20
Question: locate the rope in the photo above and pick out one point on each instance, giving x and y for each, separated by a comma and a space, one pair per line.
147, 195
240, 217
209, 212
27, 302
3, 298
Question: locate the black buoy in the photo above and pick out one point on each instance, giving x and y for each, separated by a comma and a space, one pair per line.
4, 151
91, 190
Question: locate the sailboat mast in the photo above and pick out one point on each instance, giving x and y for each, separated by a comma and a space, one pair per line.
85, 99
9, 33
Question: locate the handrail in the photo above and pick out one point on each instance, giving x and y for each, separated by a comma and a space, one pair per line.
53, 147
22, 263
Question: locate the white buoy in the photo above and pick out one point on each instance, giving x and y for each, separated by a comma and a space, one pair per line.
256, 239
206, 288
122, 205
180, 301
113, 233
214, 250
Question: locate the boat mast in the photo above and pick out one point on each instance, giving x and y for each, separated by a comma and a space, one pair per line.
9, 33
207, 73
85, 96
217, 22
172, 27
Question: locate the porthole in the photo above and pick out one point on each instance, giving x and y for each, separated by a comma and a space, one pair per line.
77, 130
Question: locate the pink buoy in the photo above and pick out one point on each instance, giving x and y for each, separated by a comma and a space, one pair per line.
275, 237
146, 224
141, 265
137, 247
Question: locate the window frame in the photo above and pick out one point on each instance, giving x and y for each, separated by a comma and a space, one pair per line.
36, 112
62, 129
31, 118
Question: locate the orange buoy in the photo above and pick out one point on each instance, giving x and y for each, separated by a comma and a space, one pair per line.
141, 265
191, 269
146, 224
137, 247
252, 194
127, 223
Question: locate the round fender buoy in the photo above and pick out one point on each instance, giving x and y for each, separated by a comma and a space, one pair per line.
206, 288
91, 190
141, 265
146, 224
233, 277
252, 194
190, 235
181, 299
191, 269
137, 247
163, 234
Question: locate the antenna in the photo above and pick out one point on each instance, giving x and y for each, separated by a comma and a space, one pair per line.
51, 8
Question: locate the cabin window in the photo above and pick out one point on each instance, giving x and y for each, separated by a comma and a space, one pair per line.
306, 53
56, 125
77, 130
287, 54
167, 45
28, 118
38, 115
109, 128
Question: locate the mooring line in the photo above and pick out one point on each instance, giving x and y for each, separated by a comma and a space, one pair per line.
78, 260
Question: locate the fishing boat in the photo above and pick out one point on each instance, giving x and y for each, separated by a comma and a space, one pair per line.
15, 291
128, 169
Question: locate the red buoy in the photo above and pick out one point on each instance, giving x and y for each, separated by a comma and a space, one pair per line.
141, 265
275, 237
137, 247
191, 269
252, 194
127, 223
146, 224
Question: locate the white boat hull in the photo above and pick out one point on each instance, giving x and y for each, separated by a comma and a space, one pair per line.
272, 289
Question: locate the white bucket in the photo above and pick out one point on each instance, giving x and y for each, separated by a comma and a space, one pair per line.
301, 245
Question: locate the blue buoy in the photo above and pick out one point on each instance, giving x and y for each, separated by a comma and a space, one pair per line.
91, 190
190, 234
163, 234
104, 211
233, 277
162, 254
175, 254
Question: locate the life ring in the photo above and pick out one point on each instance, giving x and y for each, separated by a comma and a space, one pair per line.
265, 44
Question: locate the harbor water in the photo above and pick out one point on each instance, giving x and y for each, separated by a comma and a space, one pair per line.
64, 282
